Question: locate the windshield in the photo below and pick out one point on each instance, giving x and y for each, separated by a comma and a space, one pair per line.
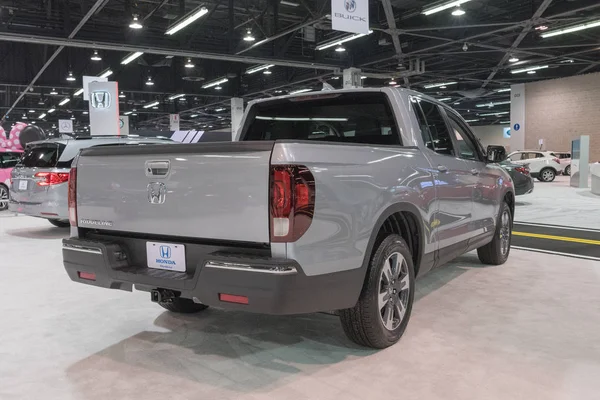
346, 118
42, 156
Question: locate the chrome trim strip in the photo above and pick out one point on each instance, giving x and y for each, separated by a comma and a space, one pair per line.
82, 249
248, 268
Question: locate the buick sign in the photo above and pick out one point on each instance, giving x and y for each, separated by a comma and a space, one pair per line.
350, 5
100, 99
350, 16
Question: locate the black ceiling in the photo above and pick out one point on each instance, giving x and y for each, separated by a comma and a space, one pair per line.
472, 50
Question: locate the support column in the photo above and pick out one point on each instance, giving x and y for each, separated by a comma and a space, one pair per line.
237, 113
517, 117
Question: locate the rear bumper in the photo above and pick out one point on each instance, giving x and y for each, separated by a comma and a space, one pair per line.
272, 286
50, 209
524, 186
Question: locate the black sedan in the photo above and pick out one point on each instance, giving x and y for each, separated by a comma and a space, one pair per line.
521, 177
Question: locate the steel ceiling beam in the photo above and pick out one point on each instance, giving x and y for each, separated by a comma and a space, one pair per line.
89, 44
391, 22
90, 13
526, 30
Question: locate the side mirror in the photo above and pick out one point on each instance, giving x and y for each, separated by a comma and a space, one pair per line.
495, 154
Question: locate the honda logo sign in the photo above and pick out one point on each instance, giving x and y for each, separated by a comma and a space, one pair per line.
100, 99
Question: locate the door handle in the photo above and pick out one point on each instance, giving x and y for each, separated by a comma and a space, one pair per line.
442, 168
475, 171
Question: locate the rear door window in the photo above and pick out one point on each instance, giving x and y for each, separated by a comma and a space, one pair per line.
438, 136
346, 118
42, 156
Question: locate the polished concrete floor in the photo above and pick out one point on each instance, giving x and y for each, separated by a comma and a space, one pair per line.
526, 330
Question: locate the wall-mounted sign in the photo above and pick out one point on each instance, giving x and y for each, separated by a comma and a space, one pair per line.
350, 16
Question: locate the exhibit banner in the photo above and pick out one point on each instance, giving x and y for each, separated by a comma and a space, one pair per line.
104, 109
517, 117
174, 122
350, 16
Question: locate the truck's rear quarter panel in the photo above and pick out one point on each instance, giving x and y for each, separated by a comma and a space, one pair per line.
355, 184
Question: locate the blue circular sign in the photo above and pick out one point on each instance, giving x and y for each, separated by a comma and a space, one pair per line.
517, 127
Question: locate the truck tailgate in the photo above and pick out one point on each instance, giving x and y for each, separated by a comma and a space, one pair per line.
210, 191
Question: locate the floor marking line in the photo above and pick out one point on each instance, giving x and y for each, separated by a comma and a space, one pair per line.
558, 253
559, 238
572, 228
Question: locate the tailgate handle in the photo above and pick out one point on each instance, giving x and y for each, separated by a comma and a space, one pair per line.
158, 168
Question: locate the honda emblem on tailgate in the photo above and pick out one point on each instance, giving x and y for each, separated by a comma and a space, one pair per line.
100, 99
157, 192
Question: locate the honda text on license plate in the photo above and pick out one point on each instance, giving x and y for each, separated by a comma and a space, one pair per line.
167, 256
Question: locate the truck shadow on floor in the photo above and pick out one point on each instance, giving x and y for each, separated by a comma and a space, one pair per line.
236, 351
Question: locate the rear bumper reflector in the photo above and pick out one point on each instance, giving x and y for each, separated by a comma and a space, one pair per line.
232, 298
87, 276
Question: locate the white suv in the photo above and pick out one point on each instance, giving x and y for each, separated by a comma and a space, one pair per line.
543, 165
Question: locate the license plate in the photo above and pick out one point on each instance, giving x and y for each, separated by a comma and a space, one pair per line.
22, 185
169, 256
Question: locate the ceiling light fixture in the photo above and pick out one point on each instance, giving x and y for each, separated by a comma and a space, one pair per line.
31, 111
513, 59
106, 74
64, 101
340, 49
532, 72
149, 81
437, 85
127, 112
300, 91
571, 29
443, 87
445, 6
541, 28
154, 103
70, 77
96, 56
42, 116
215, 83
78, 92
493, 104
338, 42
471, 120
267, 72
135, 23
520, 71
218, 88
188, 19
494, 114
249, 37
131, 57
176, 96
219, 109
85, 113
122, 95
193, 115
258, 68
288, 3
503, 90
54, 92
189, 63
445, 99
458, 12
50, 111
392, 82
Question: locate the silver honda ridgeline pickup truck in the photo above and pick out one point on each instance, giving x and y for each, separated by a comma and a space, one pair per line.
335, 200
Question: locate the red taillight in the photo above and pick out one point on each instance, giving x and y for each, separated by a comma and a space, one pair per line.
557, 160
86, 275
292, 202
51, 178
522, 170
232, 298
73, 197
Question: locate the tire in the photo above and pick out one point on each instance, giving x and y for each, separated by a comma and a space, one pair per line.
182, 306
547, 175
59, 223
3, 197
364, 323
496, 252
568, 170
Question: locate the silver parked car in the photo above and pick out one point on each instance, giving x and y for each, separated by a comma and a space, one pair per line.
335, 200
39, 185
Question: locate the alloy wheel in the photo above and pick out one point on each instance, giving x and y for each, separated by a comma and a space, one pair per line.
394, 291
505, 233
548, 175
3, 198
